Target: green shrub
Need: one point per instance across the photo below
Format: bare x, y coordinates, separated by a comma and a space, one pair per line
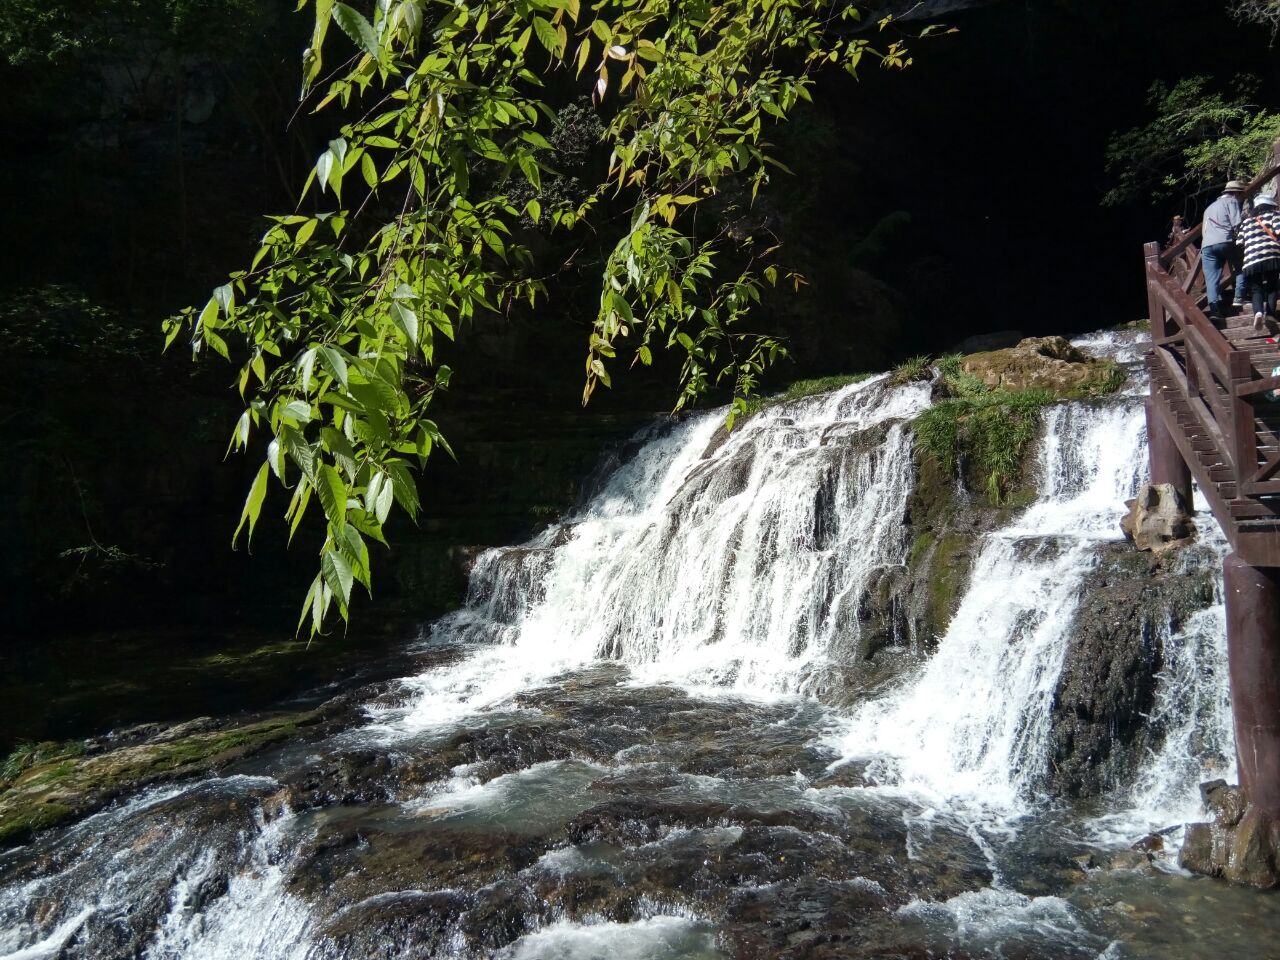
989, 432
915, 368
27, 755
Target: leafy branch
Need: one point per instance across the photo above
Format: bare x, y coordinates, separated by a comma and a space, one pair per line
429, 201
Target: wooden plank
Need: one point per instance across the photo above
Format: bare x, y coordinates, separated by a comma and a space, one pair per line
1175, 251
1258, 546
1155, 310
1255, 387
1178, 387
1242, 508
1215, 352
1194, 266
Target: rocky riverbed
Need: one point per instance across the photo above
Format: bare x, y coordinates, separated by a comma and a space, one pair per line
591, 816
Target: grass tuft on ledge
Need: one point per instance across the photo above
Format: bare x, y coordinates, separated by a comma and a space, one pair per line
988, 430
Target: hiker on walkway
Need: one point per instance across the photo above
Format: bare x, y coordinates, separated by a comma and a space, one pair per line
1260, 238
1218, 246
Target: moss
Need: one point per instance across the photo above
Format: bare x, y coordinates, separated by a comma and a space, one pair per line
950, 573
57, 790
17, 826
920, 548
27, 755
1144, 324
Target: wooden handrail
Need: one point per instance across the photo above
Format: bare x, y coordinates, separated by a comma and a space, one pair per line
1189, 316
1218, 380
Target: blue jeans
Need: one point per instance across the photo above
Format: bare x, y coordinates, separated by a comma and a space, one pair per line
1214, 259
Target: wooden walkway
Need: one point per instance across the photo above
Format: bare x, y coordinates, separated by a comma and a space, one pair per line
1210, 389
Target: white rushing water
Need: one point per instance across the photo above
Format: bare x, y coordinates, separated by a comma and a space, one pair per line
742, 565
975, 722
744, 568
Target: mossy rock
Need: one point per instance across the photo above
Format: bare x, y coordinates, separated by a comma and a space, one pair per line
1040, 363
65, 788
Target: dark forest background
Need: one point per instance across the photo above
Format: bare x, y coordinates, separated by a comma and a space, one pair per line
957, 198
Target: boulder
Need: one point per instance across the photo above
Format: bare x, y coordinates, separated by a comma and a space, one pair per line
1157, 519
1037, 363
1241, 844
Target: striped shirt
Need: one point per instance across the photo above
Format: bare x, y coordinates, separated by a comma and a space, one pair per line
1261, 249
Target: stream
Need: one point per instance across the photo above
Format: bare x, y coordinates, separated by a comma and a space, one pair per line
662, 730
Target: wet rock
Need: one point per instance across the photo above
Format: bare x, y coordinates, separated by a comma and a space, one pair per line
361, 776
1106, 690
374, 849
405, 925
1241, 844
1151, 843
1157, 520
67, 788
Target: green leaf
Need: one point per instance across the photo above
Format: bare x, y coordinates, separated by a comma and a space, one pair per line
297, 411
305, 231
301, 452
337, 575
332, 493
406, 320
355, 26
340, 447
333, 361
252, 505
306, 367
353, 549
403, 487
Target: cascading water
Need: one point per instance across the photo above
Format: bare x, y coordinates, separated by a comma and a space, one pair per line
975, 722
627, 752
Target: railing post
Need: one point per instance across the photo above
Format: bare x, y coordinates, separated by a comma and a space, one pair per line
1244, 435
1253, 653
1155, 309
1167, 465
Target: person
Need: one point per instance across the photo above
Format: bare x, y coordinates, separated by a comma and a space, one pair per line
1259, 236
1218, 246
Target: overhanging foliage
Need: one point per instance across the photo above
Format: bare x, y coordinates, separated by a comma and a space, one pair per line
432, 194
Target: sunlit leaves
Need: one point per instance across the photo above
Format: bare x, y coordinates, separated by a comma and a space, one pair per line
337, 324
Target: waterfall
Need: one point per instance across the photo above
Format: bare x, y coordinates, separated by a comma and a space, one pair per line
740, 567
744, 565
975, 722
752, 564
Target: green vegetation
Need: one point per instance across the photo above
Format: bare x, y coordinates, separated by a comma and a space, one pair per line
987, 431
1198, 139
910, 370
27, 755
428, 207
54, 783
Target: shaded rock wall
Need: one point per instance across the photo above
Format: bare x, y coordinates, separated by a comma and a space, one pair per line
1107, 689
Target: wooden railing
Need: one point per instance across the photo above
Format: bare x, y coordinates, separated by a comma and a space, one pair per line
1230, 429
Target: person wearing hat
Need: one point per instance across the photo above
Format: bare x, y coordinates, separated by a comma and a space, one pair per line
1218, 247
1259, 236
